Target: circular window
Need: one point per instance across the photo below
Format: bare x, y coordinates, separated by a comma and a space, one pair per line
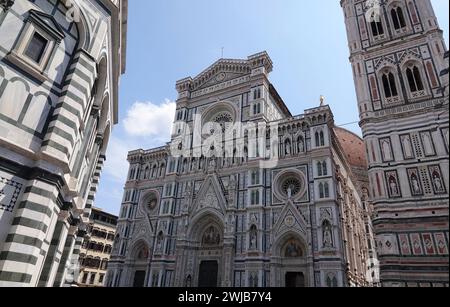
290, 185
150, 202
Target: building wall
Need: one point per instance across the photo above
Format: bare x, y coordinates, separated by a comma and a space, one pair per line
179, 212
96, 249
404, 118
56, 115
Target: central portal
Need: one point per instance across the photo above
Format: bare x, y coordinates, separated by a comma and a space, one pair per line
208, 274
295, 280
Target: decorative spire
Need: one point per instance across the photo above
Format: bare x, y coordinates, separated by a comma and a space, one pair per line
6, 4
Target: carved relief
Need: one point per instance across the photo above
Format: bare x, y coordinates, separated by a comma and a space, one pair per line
437, 180
428, 145
387, 245
386, 150
414, 182
407, 147
393, 184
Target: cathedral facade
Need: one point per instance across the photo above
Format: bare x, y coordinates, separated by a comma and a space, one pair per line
400, 66
245, 194
60, 62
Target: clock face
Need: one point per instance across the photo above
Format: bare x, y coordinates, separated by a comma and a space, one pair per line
220, 77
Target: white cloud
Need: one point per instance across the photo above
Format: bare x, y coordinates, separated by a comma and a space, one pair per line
116, 164
148, 119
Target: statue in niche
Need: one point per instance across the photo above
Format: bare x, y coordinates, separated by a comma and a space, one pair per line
387, 151
407, 147
253, 238
415, 184
437, 182
393, 186
301, 145
327, 235
287, 144
159, 243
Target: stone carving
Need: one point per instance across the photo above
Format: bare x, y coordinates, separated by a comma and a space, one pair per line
393, 184
293, 249
211, 236
436, 178
209, 200
327, 235
416, 188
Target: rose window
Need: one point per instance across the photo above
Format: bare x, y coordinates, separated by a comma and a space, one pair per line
291, 186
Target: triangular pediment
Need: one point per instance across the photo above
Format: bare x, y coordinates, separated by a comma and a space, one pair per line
142, 230
210, 196
221, 71
47, 22
290, 219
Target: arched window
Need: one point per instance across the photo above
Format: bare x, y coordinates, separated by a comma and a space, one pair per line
390, 87
414, 79
327, 190
324, 168
324, 190
377, 28
320, 139
319, 169
398, 18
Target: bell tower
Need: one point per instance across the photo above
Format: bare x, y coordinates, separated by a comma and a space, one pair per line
397, 53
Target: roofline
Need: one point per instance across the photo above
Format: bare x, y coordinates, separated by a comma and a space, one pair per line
351, 132
280, 102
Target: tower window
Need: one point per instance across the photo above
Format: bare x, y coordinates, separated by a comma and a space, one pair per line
320, 139
377, 28
390, 88
398, 18
36, 47
324, 190
414, 79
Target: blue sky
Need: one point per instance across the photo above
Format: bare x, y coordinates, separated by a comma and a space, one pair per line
172, 39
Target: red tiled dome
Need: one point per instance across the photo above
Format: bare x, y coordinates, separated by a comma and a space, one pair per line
353, 146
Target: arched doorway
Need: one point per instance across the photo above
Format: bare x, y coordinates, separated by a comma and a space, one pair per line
140, 260
204, 254
289, 263
210, 256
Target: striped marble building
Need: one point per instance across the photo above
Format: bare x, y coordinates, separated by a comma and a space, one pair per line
60, 64
400, 64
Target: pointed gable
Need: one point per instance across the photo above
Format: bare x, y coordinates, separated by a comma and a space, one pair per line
210, 196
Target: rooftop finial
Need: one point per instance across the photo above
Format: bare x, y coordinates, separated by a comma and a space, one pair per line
322, 100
